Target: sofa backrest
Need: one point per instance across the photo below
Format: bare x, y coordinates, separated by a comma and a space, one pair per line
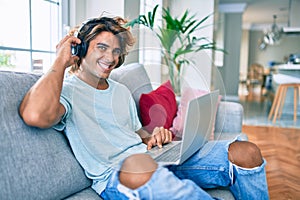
34, 163
135, 77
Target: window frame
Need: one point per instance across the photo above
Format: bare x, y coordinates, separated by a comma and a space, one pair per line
30, 49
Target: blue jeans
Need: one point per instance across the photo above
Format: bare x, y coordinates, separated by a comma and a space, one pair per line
208, 168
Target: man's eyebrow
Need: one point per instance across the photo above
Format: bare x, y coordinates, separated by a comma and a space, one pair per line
102, 44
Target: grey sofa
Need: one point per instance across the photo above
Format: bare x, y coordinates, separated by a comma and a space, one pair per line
39, 164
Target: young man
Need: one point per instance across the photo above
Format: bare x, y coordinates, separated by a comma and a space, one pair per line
99, 117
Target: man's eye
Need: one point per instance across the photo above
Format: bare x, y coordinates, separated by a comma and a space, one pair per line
102, 47
117, 51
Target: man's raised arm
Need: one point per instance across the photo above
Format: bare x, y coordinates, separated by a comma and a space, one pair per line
41, 105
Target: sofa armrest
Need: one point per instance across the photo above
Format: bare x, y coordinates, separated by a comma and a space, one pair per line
229, 117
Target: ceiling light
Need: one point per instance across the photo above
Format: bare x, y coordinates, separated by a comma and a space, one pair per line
273, 36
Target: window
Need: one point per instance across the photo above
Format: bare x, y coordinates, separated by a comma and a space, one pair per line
152, 52
30, 31
150, 49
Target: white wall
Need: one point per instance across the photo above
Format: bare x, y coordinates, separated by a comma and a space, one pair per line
77, 12
197, 75
81, 10
289, 44
94, 8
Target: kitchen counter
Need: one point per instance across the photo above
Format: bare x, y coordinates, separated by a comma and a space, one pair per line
289, 69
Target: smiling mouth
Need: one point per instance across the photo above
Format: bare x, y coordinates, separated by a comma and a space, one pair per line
104, 66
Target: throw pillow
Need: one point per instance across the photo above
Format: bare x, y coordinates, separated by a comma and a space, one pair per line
187, 95
158, 108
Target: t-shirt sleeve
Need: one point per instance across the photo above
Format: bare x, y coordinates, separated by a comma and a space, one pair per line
65, 101
136, 124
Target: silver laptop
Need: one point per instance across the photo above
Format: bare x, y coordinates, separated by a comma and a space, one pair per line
197, 129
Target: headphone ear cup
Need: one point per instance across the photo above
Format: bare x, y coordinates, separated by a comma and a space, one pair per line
83, 49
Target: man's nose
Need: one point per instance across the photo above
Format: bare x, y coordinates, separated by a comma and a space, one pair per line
108, 56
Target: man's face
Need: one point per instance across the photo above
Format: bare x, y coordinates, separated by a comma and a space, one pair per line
102, 57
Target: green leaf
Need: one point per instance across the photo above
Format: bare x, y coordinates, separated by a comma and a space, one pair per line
167, 38
142, 19
199, 23
182, 20
151, 16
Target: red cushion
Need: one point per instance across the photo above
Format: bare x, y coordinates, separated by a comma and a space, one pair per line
158, 108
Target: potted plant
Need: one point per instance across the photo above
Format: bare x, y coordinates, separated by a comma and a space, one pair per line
177, 39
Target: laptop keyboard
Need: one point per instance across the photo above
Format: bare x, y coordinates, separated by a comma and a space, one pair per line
170, 155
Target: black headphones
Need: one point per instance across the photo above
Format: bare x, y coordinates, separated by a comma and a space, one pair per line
80, 50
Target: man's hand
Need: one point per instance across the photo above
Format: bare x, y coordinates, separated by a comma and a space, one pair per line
63, 50
159, 137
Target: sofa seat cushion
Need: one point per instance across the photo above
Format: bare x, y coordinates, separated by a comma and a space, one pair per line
86, 194
35, 163
221, 193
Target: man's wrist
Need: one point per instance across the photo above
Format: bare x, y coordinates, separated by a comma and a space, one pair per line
144, 134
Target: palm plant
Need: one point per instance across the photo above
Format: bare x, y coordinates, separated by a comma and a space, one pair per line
176, 38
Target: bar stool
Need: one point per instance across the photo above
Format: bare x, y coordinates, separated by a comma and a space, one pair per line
284, 82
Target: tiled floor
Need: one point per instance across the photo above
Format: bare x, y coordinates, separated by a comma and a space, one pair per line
256, 111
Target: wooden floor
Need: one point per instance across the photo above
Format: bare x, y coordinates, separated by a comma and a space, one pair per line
281, 148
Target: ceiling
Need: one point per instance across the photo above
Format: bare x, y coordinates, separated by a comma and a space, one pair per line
259, 13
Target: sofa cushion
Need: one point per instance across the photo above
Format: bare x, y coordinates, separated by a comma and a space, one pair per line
158, 108
35, 163
229, 117
221, 193
86, 194
135, 78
